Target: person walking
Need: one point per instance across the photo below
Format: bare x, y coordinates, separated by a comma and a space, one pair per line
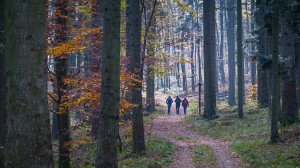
185, 104
169, 102
178, 102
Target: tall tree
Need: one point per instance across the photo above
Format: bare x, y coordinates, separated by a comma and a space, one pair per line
28, 137
230, 5
240, 59
150, 84
182, 64
107, 150
2, 85
133, 52
252, 45
60, 68
262, 75
209, 32
287, 52
275, 109
221, 53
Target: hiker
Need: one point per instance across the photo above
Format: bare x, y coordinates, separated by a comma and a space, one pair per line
178, 102
185, 104
169, 102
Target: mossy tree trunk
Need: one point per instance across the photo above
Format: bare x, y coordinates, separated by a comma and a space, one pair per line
107, 150
28, 136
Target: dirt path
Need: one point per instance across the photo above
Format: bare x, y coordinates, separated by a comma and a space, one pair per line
172, 127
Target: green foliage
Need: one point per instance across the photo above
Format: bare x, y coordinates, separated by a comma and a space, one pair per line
204, 156
250, 137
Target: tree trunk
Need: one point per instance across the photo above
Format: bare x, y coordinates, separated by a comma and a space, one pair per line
240, 59
253, 63
231, 50
2, 85
221, 54
62, 113
107, 151
297, 55
133, 51
209, 23
183, 69
150, 84
262, 75
28, 136
289, 98
275, 71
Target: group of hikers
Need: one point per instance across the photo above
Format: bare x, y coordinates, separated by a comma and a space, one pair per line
178, 102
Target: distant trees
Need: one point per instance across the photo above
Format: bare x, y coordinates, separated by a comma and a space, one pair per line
28, 139
209, 28
107, 151
133, 52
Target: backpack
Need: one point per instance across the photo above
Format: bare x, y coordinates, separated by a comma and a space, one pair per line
185, 102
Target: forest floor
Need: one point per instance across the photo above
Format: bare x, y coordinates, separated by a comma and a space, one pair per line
192, 149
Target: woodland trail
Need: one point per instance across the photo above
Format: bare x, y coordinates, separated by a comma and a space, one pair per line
174, 129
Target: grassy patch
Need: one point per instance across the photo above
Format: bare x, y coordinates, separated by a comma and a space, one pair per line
250, 137
181, 138
204, 156
84, 149
158, 155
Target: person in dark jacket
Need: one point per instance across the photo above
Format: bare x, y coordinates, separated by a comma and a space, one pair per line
178, 102
185, 104
169, 102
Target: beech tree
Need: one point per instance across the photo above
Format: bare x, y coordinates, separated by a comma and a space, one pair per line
28, 139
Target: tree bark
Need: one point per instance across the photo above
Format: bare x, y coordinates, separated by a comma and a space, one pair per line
230, 5
133, 51
275, 71
28, 136
150, 84
209, 31
240, 59
289, 98
252, 45
62, 113
262, 75
2, 84
221, 54
107, 150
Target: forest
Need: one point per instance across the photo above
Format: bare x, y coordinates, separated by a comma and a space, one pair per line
149, 83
